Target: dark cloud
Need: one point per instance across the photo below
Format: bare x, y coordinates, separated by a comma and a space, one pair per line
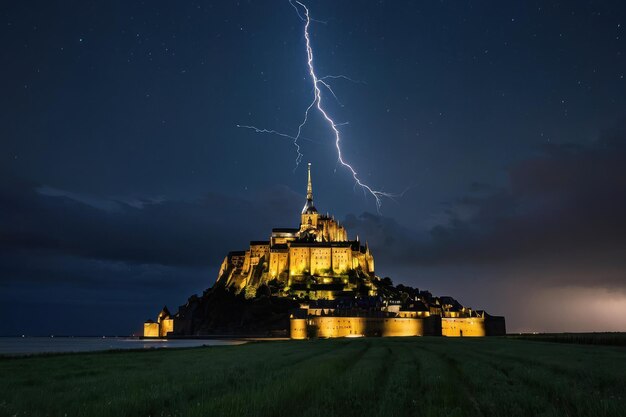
565, 206
548, 251
80, 257
42, 292
173, 233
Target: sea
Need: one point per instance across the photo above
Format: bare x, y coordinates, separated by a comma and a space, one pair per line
13, 346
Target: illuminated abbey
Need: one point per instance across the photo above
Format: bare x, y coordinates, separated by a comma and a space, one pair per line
331, 286
316, 260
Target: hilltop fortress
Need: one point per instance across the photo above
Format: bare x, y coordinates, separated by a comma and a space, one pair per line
328, 284
316, 260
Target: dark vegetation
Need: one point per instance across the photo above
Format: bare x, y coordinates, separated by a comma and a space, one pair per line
339, 377
609, 339
221, 311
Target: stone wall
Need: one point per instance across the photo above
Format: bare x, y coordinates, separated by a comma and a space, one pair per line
298, 329
329, 327
150, 329
473, 326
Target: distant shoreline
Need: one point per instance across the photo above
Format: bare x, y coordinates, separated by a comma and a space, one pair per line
33, 346
219, 336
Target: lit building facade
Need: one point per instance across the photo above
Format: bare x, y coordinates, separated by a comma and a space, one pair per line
318, 251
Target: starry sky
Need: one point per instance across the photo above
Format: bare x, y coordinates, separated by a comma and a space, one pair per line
125, 180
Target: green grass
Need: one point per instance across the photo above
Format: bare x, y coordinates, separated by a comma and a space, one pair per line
340, 377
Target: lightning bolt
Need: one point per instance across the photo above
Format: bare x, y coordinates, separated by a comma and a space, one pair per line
318, 105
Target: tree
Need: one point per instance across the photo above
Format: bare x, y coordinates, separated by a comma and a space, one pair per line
263, 291
386, 282
250, 292
404, 297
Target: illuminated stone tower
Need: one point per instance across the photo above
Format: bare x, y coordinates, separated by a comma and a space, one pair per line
309, 187
309, 212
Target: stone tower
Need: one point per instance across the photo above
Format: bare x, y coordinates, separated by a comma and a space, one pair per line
309, 212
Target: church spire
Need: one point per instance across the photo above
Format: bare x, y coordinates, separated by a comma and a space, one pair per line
309, 187
308, 206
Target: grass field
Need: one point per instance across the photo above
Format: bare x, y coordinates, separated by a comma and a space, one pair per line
340, 377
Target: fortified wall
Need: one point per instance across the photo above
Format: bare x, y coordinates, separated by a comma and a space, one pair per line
327, 327
312, 322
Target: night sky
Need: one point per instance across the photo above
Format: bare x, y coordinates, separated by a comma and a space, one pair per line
124, 179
